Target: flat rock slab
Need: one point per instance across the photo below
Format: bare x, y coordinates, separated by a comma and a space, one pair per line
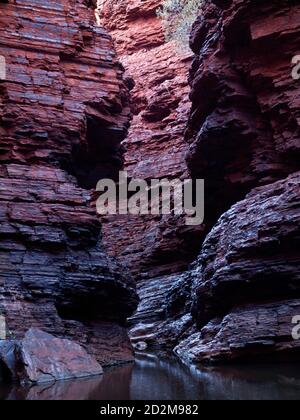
42, 358
48, 359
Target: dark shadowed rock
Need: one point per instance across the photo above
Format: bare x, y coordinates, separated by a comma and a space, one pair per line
244, 137
254, 332
247, 281
243, 130
8, 360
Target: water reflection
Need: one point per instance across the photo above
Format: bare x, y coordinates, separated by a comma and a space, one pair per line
154, 378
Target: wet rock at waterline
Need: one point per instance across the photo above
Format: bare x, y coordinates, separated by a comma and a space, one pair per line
41, 358
259, 332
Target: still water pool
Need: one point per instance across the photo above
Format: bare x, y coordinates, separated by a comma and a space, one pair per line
155, 378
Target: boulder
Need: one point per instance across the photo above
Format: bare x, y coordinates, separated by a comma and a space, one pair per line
42, 358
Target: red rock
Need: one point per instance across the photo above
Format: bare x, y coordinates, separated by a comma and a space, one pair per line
243, 135
244, 124
246, 280
156, 249
47, 359
155, 146
64, 110
42, 358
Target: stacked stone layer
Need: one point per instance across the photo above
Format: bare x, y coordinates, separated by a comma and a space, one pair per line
244, 139
63, 111
157, 72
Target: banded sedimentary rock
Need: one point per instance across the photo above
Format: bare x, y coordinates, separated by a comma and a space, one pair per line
63, 112
157, 249
244, 138
243, 130
247, 280
155, 148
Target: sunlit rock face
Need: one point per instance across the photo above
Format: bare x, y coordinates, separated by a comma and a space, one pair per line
244, 140
157, 72
157, 249
63, 111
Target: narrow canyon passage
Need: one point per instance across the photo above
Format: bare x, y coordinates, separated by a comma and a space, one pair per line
238, 129
91, 88
156, 249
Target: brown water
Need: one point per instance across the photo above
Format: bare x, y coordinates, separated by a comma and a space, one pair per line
152, 378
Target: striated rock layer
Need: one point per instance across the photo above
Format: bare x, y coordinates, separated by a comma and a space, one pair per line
155, 148
157, 249
243, 130
244, 139
247, 280
63, 111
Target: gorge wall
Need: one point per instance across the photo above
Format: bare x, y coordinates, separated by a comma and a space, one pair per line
64, 111
244, 140
225, 291
156, 249
155, 148
239, 298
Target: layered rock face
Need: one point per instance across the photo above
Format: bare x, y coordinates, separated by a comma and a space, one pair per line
157, 249
244, 139
246, 280
243, 129
63, 111
155, 148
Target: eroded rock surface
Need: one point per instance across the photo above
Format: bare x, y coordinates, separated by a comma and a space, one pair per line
64, 111
155, 148
243, 129
157, 249
247, 281
243, 133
